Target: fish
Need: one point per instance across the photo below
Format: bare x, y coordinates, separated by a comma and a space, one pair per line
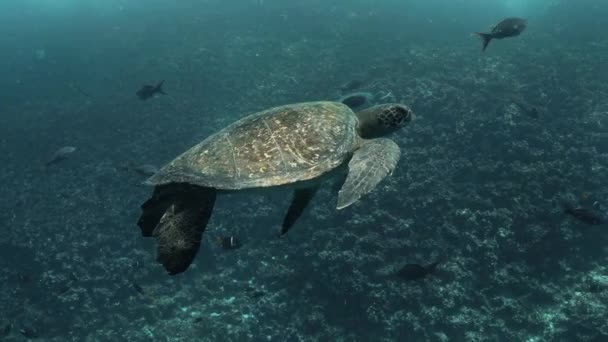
60, 155
509, 27
597, 287
583, 214
416, 271
6, 330
146, 169
28, 332
526, 108
67, 285
255, 293
228, 242
351, 85
138, 288
24, 278
62, 289
148, 91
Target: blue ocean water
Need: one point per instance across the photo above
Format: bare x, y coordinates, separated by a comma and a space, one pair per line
500, 179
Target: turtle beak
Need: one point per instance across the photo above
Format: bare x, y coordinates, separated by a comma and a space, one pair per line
408, 115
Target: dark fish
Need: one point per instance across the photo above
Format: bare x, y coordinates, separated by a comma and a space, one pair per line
6, 330
138, 288
533, 112
149, 91
79, 90
597, 287
510, 27
62, 289
28, 332
255, 293
228, 242
526, 108
584, 215
416, 271
24, 278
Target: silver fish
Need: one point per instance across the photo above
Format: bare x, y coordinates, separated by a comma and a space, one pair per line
61, 154
146, 169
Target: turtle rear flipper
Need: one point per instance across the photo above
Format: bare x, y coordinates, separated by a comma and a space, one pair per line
152, 212
181, 228
373, 161
155, 207
301, 198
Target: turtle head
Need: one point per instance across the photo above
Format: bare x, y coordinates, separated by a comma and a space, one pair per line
383, 119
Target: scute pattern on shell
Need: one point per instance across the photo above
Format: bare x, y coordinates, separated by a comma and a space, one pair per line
277, 146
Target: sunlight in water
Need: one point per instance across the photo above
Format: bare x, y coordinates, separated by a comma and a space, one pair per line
517, 7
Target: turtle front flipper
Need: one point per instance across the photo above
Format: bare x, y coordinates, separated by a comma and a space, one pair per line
373, 161
301, 198
181, 228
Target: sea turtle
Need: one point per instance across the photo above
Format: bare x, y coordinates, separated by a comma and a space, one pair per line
296, 145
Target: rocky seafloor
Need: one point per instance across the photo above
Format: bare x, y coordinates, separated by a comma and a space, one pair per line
479, 187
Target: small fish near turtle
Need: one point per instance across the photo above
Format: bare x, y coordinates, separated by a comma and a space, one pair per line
255, 293
509, 27
148, 91
584, 215
297, 146
230, 242
146, 170
411, 272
